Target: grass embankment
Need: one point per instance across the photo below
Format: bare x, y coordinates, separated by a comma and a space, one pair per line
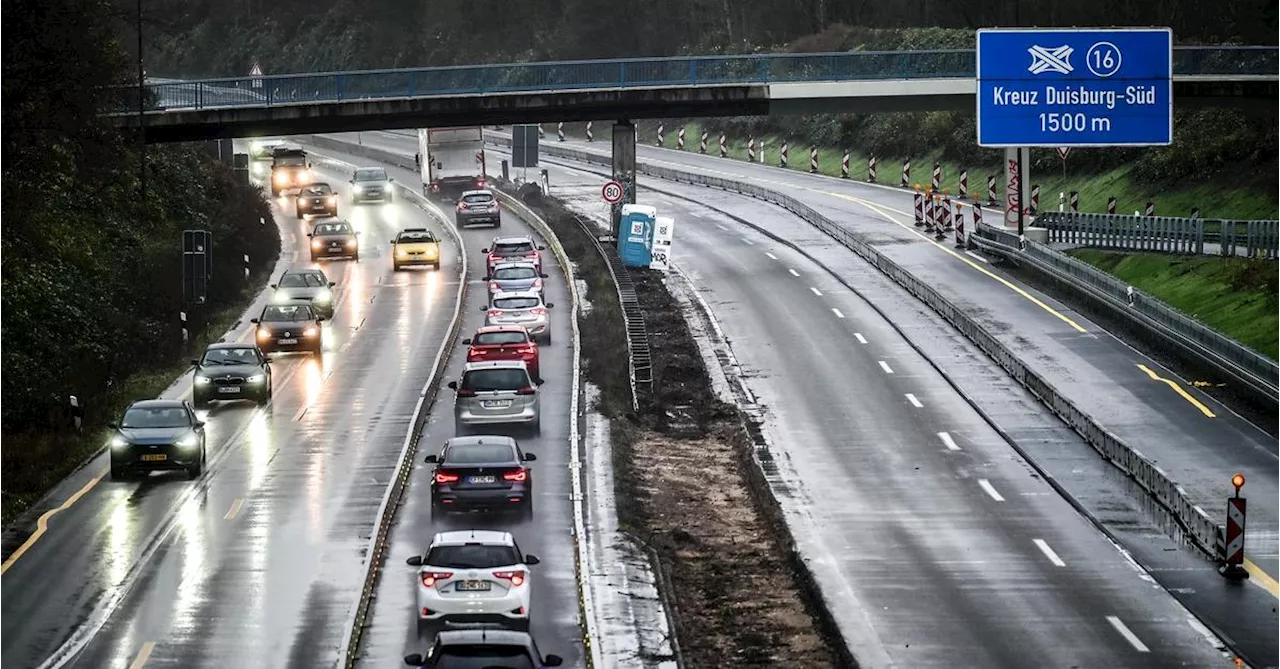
1235, 296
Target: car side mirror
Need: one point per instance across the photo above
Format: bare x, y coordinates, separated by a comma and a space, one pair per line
487, 278
483, 308
453, 385
274, 286
542, 248
484, 250
308, 234
551, 305
431, 459
543, 275
553, 660
332, 284
415, 561
529, 457
531, 559
540, 381
466, 342
199, 424
414, 660
266, 359
114, 426
195, 363
392, 241
253, 320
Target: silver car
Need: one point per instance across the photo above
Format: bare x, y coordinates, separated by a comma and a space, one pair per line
370, 184
525, 308
310, 285
515, 277
495, 393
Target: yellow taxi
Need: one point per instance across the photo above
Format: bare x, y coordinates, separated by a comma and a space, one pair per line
415, 246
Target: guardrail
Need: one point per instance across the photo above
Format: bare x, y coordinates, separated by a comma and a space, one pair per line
1208, 61
1203, 531
1164, 234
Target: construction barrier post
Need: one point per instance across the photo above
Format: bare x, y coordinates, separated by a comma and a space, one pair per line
937, 176
940, 218
751, 149
948, 213
919, 209
991, 190
871, 167
680, 139
541, 132
1151, 209
960, 238
1073, 201
724, 146
560, 130
906, 173
813, 161
1035, 199
844, 165
782, 159
929, 211
964, 183
977, 216
1233, 554
662, 133
702, 145
590, 135
1111, 206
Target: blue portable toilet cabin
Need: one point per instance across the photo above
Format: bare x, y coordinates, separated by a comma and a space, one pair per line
636, 242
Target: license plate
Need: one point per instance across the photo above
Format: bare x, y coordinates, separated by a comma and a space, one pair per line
480, 479
154, 457
496, 404
288, 341
473, 586
229, 389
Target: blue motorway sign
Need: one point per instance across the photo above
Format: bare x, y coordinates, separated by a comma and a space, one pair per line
1075, 87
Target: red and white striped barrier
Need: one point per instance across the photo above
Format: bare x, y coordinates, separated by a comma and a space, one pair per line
844, 165
813, 161
591, 137
947, 214
1111, 206
1151, 209
937, 176
919, 210
560, 130
977, 216
680, 139
724, 146
1233, 548
871, 167
751, 149
930, 212
964, 183
702, 145
960, 238
991, 190
1035, 199
782, 160
1073, 201
906, 173
662, 133
541, 133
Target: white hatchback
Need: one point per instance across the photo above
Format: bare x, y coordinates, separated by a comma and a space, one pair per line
474, 576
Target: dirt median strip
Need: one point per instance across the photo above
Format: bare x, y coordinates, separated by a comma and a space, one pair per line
688, 486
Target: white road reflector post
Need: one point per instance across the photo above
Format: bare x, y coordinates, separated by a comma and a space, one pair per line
813, 160
960, 238
724, 146
662, 133
702, 145
560, 131
991, 190
751, 149
77, 413
1111, 206
906, 173
782, 157
937, 176
680, 139
871, 167
182, 316
246, 267
1151, 209
591, 136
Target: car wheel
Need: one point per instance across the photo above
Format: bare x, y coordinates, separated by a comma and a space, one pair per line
313, 257
437, 509
297, 212
194, 470
395, 267
356, 257
546, 337
497, 223
118, 472
200, 402
526, 512
435, 265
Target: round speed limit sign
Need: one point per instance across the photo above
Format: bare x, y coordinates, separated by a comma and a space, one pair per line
612, 192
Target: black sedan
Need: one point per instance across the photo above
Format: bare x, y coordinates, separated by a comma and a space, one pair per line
371, 184
158, 434
482, 472
336, 239
231, 372
316, 199
292, 326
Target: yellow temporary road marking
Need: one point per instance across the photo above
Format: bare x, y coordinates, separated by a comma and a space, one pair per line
143, 655
42, 524
235, 508
1178, 389
1261, 578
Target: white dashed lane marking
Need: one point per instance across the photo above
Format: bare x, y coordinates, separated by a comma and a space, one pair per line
991, 490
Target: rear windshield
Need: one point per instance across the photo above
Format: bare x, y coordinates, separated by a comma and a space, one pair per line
286, 313
417, 237
333, 229
472, 556
513, 248
487, 656
317, 189
477, 198
157, 417
514, 273
474, 454
488, 380
300, 281
493, 338
515, 303
371, 174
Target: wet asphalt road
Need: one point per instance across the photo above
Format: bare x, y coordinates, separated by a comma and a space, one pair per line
393, 630
257, 563
933, 550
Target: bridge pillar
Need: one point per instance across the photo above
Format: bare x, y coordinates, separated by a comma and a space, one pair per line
624, 168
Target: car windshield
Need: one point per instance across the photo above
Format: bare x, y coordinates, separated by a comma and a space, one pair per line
513, 248
486, 656
477, 198
472, 556
317, 189
494, 338
472, 454
515, 303
371, 174
514, 273
417, 237
333, 229
286, 313
156, 417
290, 161
488, 380
300, 281
230, 356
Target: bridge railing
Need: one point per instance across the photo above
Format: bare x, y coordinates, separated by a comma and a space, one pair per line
1164, 234
636, 73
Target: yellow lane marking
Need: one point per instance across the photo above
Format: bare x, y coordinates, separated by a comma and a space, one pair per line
1178, 389
1261, 578
879, 209
143, 655
42, 524
235, 509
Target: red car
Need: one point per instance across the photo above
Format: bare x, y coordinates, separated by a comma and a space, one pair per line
503, 342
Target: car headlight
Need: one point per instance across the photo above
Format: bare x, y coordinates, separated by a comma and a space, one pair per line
351, 243
402, 253
202, 379
311, 331
189, 441
281, 177
317, 244
333, 200
119, 441
257, 378
264, 333
325, 296
280, 297
357, 189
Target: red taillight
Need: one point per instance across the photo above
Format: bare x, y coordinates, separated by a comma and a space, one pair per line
527, 391
429, 578
538, 311
480, 183
463, 392
447, 477
519, 476
462, 205
529, 349
516, 577
537, 284
493, 287
495, 312
494, 204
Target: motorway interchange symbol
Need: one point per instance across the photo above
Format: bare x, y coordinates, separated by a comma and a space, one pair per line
1044, 59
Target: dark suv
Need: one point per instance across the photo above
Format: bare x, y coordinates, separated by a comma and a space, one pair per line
482, 648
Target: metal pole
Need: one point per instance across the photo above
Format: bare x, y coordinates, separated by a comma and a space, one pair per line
1022, 192
142, 141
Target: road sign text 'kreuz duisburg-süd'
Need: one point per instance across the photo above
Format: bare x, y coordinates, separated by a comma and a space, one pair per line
1075, 87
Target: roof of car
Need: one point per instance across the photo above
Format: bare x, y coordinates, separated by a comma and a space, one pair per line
489, 636
516, 293
482, 191
513, 239
494, 364
156, 404
485, 329
228, 344
515, 263
462, 537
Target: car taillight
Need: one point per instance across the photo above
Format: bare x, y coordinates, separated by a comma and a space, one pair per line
493, 287
528, 349
516, 577
462, 205
527, 391
495, 312
493, 204
538, 311
518, 475
429, 578
463, 392
537, 284
447, 477
480, 183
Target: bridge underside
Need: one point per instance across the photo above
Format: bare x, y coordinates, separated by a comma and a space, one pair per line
596, 105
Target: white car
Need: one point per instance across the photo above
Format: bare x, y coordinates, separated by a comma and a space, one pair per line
526, 308
473, 576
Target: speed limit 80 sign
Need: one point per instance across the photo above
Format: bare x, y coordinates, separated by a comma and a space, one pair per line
612, 192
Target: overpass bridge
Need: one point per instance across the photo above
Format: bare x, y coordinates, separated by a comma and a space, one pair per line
627, 88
